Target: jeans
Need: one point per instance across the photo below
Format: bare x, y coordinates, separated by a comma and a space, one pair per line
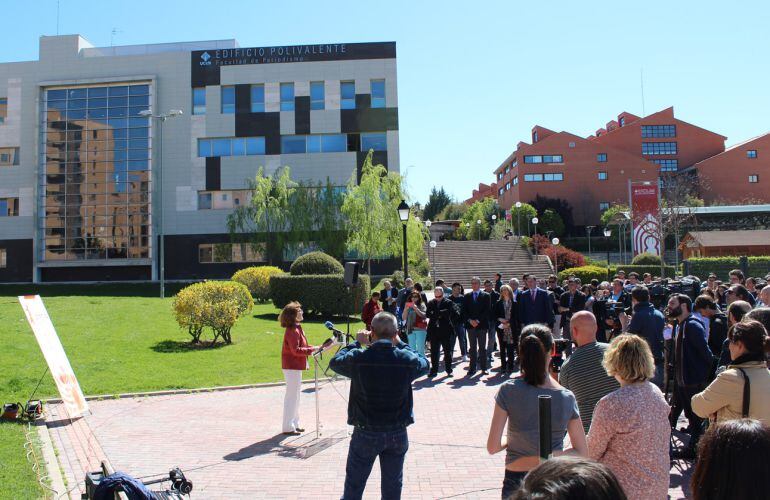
417, 340
365, 446
683, 402
657, 379
477, 352
512, 483
436, 344
460, 335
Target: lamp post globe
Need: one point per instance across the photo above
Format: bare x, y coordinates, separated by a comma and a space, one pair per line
428, 223
535, 220
607, 234
555, 241
518, 217
403, 216
432, 243
518, 204
403, 211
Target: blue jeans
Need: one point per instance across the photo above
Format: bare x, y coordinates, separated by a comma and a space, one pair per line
460, 335
417, 340
365, 446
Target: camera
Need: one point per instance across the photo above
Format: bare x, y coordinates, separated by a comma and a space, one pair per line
557, 357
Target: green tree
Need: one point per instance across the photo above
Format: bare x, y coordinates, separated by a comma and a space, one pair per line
267, 216
522, 215
551, 221
453, 211
609, 215
437, 201
482, 210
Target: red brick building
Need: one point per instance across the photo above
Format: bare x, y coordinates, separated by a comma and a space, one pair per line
483, 191
739, 175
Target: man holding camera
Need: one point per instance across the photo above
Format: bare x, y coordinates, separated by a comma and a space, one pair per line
380, 405
648, 323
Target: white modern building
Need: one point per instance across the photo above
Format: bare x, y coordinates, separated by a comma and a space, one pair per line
81, 163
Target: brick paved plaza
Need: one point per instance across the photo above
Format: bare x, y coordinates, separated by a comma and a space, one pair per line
230, 446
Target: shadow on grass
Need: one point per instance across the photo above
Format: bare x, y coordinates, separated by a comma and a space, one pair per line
94, 290
267, 316
173, 346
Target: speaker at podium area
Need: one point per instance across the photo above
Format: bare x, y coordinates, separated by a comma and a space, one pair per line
351, 273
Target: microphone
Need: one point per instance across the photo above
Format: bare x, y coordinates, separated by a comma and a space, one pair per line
329, 325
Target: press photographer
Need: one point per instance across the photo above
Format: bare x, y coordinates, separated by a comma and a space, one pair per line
648, 323
613, 309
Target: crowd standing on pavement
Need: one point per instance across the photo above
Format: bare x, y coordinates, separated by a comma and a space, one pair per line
636, 359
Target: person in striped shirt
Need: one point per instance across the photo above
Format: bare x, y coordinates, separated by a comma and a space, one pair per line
583, 373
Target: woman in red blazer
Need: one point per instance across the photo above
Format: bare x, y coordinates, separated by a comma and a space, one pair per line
293, 362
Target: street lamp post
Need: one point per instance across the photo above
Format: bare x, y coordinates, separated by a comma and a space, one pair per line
159, 210
468, 231
403, 215
589, 229
555, 242
432, 245
478, 229
607, 234
518, 218
535, 220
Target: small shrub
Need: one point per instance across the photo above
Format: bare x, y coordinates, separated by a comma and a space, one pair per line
320, 294
397, 279
213, 304
257, 280
646, 259
585, 273
564, 257
315, 263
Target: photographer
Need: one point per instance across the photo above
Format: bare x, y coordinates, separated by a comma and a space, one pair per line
648, 323
612, 309
380, 406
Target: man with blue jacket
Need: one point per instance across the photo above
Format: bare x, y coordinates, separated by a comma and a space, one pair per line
649, 323
380, 406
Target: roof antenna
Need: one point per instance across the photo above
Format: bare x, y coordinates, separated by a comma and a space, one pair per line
57, 17
641, 76
114, 32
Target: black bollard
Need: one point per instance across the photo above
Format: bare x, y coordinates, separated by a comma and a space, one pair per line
544, 426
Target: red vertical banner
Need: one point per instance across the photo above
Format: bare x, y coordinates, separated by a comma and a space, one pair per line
645, 205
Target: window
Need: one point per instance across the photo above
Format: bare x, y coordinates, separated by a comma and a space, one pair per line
228, 100
215, 253
9, 207
3, 110
534, 139
515, 180
287, 97
347, 95
317, 95
3, 258
544, 159
602, 176
622, 121
199, 100
507, 168
258, 98
231, 146
553, 177
9, 157
667, 165
293, 144
500, 191
204, 201
754, 178
322, 143
533, 177
378, 93
376, 141
221, 200
601, 157
751, 153
658, 130
507, 186
658, 148
604, 205
499, 176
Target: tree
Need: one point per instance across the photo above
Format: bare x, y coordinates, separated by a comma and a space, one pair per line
551, 221
481, 210
609, 215
522, 215
558, 205
268, 212
370, 208
437, 201
453, 211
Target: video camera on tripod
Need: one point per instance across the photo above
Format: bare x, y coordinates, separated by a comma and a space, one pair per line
662, 289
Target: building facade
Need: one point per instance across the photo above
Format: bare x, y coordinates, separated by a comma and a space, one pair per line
88, 179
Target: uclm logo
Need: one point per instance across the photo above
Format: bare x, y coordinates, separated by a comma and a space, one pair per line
206, 59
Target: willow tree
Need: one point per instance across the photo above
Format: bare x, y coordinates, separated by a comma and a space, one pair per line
267, 215
370, 208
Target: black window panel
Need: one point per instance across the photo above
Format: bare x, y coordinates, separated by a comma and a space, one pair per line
242, 98
354, 142
213, 173
302, 115
363, 101
368, 120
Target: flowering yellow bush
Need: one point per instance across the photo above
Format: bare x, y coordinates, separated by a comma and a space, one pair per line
257, 280
213, 304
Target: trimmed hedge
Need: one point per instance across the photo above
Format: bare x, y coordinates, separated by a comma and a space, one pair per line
315, 263
721, 266
213, 304
587, 273
646, 259
670, 271
322, 294
257, 280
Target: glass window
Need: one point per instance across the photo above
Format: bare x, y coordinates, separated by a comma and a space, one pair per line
335, 143
317, 95
507, 186
659, 148
258, 98
135, 90
604, 205
204, 201
347, 95
602, 176
3, 207
751, 153
239, 146
287, 97
3, 258
658, 130
622, 121
220, 147
376, 141
293, 144
500, 191
120, 90
56, 95
667, 165
534, 140
199, 101
601, 157
255, 146
378, 93
9, 157
753, 178
314, 144
228, 100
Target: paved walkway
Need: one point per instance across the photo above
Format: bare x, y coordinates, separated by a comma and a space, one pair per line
230, 446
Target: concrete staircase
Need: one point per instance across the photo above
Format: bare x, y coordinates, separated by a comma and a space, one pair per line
461, 260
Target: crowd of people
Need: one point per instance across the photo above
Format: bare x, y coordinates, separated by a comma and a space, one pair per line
632, 368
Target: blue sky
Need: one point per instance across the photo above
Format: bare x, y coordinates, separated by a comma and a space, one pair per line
474, 77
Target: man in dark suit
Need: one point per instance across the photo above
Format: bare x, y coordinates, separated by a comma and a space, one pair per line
494, 296
476, 309
389, 298
692, 363
535, 304
570, 302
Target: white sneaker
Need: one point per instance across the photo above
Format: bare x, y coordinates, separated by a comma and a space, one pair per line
465, 359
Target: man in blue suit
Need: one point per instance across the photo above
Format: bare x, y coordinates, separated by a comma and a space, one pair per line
536, 304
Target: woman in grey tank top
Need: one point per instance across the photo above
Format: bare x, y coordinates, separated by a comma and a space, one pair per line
517, 404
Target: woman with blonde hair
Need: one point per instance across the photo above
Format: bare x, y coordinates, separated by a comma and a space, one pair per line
294, 356
630, 431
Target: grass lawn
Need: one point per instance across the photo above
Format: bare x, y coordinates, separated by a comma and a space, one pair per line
17, 479
122, 338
